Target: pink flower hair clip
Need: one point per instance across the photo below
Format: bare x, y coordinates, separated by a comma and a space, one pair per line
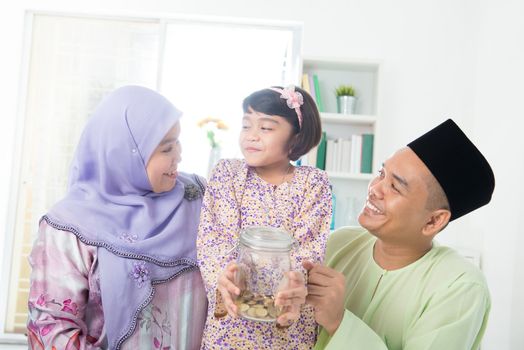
294, 100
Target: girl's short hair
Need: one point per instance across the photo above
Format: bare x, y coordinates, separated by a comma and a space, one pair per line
269, 102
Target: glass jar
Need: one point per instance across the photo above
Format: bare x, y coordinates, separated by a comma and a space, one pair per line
263, 260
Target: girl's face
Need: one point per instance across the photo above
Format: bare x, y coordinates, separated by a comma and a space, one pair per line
162, 166
264, 139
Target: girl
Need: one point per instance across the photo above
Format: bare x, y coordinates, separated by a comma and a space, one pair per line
114, 262
279, 125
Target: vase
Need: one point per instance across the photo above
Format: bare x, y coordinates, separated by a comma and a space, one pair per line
214, 156
346, 104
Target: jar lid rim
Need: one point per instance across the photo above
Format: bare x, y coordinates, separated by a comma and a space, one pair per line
266, 238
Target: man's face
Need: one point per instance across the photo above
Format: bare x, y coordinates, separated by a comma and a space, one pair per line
395, 209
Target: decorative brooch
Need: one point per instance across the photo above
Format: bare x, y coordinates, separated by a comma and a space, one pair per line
140, 273
192, 192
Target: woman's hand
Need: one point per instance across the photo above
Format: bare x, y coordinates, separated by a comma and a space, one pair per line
227, 288
291, 298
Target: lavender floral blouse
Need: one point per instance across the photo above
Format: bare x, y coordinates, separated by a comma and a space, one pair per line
236, 197
65, 308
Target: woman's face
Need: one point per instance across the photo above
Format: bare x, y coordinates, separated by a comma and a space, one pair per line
162, 166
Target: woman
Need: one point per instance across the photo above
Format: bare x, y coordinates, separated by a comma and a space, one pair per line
114, 262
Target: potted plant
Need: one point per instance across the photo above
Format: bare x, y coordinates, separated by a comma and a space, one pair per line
346, 99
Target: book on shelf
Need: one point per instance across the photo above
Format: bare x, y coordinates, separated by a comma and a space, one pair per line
356, 153
338, 152
310, 158
318, 98
352, 155
330, 155
321, 152
332, 149
367, 154
305, 83
312, 90
345, 158
311, 85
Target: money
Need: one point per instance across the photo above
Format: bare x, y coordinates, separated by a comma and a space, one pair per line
257, 307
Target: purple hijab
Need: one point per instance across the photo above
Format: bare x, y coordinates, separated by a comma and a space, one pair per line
143, 238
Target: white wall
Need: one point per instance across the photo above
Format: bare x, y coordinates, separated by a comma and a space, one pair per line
441, 58
499, 90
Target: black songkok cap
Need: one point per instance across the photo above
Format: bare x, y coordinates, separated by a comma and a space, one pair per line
458, 166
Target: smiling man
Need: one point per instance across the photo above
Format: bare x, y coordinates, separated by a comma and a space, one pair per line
388, 285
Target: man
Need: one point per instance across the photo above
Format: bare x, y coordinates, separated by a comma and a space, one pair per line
388, 285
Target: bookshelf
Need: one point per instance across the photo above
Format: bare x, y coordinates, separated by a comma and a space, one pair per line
349, 186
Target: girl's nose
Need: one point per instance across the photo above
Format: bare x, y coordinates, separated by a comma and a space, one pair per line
252, 135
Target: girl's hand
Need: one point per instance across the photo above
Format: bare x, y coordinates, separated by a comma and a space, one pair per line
291, 298
228, 289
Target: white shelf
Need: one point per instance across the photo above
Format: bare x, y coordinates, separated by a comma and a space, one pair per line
331, 73
339, 63
355, 119
350, 176
349, 189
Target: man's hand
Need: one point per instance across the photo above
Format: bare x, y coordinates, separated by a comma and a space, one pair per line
326, 291
228, 289
291, 298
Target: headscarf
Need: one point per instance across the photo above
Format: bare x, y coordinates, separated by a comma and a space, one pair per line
143, 238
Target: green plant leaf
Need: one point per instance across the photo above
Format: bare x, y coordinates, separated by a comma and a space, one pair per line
345, 90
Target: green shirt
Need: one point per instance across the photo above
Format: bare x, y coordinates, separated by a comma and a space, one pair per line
440, 301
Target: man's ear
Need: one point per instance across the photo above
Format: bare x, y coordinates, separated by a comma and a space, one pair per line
438, 219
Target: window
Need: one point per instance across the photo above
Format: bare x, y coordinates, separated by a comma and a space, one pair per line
204, 67
230, 61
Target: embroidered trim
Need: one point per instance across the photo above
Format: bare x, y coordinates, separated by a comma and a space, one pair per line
200, 183
129, 238
115, 250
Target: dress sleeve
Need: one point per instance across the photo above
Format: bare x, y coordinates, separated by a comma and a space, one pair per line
219, 223
454, 319
59, 289
311, 225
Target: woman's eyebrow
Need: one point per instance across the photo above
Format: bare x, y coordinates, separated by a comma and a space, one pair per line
168, 140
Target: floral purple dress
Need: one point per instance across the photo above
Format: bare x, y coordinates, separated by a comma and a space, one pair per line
236, 197
65, 307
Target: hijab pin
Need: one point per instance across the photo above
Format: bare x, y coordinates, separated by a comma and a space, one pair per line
192, 192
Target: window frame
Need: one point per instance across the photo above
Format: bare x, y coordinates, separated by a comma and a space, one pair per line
15, 181
19, 341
